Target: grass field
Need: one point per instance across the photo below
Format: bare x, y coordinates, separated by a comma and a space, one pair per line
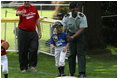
98, 66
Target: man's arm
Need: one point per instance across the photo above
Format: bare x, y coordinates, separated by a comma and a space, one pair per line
39, 28
78, 33
83, 26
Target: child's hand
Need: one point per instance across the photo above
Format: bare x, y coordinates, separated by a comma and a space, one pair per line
51, 45
5, 45
65, 49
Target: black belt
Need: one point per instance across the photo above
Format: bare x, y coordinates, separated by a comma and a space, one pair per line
70, 33
27, 30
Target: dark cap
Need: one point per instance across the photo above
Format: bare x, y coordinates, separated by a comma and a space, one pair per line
73, 5
57, 24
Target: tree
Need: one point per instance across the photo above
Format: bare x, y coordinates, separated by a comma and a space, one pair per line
109, 8
109, 22
95, 40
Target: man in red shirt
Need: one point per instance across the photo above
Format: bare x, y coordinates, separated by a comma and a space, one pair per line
28, 37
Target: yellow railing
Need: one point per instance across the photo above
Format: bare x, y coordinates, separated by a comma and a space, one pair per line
16, 19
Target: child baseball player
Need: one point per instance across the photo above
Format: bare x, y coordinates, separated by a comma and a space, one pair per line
4, 60
58, 41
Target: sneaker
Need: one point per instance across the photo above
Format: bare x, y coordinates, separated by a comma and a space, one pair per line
32, 69
60, 75
23, 70
63, 75
82, 75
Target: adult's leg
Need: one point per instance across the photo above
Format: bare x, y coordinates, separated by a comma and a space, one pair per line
72, 57
33, 49
81, 55
23, 45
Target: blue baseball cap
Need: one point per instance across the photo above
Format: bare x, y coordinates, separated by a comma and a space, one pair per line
57, 24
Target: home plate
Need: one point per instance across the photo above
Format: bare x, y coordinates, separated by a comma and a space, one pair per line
66, 77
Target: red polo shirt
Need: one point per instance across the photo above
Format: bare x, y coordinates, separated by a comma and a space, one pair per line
3, 51
28, 21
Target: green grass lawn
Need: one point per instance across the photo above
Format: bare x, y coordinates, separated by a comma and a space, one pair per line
97, 67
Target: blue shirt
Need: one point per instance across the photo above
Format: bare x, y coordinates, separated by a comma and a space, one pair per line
58, 39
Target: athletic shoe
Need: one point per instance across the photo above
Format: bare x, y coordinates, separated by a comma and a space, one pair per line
82, 75
32, 69
60, 75
63, 75
23, 71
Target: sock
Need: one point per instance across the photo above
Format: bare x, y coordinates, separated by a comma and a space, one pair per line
6, 75
62, 69
59, 69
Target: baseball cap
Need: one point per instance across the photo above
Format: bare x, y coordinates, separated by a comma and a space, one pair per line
74, 5
57, 24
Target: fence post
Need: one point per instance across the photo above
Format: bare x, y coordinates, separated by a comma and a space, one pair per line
41, 9
50, 36
5, 25
15, 32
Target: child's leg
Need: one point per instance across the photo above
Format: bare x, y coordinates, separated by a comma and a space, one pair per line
62, 62
62, 58
6, 75
4, 63
61, 70
57, 56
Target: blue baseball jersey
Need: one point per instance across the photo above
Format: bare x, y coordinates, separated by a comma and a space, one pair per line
58, 39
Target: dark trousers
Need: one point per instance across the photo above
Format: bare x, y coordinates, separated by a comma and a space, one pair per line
27, 47
77, 47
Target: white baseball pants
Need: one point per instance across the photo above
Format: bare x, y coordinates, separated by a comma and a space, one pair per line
4, 64
59, 56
